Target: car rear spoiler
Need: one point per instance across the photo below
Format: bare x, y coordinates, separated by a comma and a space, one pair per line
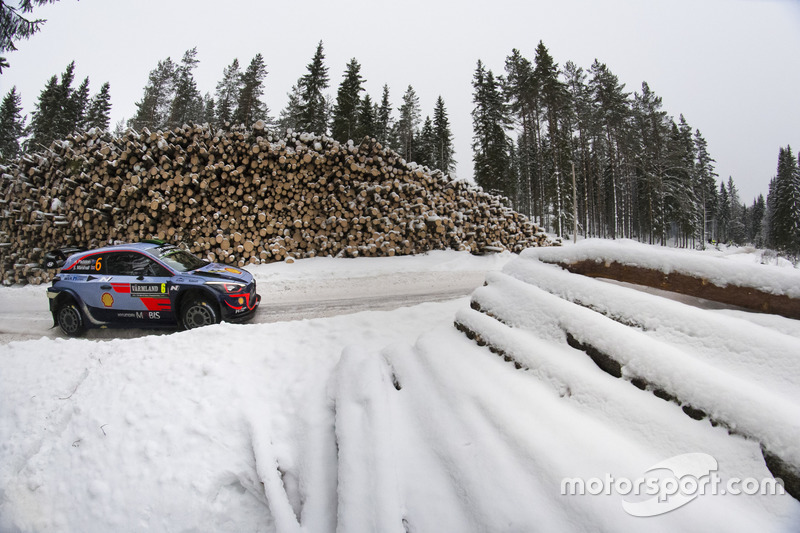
56, 258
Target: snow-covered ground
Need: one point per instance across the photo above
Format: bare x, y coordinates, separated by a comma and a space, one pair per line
311, 288
391, 419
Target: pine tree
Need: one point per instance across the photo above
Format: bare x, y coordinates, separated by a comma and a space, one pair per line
58, 109
705, 185
227, 95
490, 143
736, 226
76, 109
553, 98
69, 105
14, 25
406, 129
653, 131
582, 111
44, 117
290, 115
443, 139
383, 120
757, 214
785, 202
209, 110
345, 113
187, 103
769, 216
250, 108
426, 144
523, 98
367, 118
12, 125
723, 214
682, 210
313, 107
98, 112
152, 110
612, 110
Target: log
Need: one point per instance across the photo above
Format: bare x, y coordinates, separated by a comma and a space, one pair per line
750, 298
241, 197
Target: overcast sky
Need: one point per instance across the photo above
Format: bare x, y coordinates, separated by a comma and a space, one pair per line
730, 66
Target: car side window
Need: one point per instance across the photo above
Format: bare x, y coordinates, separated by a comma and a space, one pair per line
133, 264
91, 264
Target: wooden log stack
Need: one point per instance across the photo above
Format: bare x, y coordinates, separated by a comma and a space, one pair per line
240, 197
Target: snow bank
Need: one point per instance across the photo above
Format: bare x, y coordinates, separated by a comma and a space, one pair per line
329, 268
767, 278
730, 398
735, 344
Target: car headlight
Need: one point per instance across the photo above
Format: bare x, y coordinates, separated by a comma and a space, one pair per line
228, 287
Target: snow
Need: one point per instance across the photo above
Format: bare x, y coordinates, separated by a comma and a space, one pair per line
308, 288
733, 398
392, 419
740, 270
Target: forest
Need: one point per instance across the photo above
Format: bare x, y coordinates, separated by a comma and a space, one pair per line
569, 147
573, 148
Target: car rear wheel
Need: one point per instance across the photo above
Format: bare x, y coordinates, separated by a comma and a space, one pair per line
70, 320
199, 312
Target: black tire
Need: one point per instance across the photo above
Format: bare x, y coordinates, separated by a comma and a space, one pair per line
70, 319
198, 312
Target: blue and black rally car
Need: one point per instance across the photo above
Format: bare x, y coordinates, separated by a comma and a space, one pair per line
148, 284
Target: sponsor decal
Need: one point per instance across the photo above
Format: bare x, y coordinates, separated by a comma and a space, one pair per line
88, 265
107, 299
157, 304
141, 315
148, 290
122, 288
229, 270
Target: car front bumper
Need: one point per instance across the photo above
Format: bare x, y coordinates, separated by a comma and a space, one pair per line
240, 308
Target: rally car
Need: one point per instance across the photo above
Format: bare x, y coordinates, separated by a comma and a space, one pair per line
148, 284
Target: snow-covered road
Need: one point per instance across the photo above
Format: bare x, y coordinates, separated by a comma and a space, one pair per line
304, 290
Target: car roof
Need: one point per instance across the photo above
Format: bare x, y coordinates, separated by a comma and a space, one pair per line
147, 247
150, 248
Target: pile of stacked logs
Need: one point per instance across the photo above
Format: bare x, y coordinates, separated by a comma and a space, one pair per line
240, 197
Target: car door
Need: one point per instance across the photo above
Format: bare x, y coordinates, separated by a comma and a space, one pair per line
136, 288
93, 266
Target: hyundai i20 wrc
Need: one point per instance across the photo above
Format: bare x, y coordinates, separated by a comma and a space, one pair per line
148, 284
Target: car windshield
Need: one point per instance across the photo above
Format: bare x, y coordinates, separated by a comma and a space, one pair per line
180, 260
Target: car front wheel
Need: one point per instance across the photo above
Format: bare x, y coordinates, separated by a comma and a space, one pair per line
70, 320
199, 312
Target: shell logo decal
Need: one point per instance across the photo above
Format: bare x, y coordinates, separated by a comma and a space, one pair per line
227, 269
107, 299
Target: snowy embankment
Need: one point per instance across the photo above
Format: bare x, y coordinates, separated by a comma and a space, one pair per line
740, 269
394, 420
